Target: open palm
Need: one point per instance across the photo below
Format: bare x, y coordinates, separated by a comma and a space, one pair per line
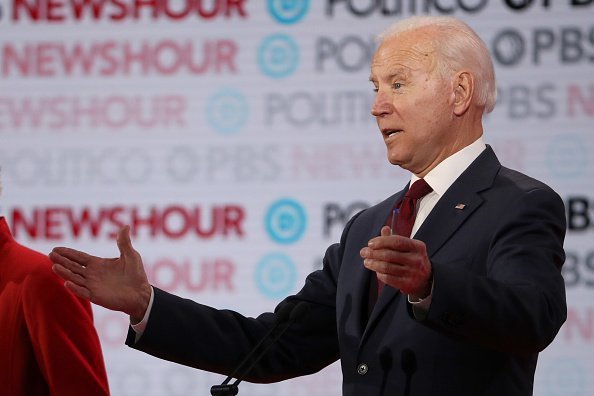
118, 284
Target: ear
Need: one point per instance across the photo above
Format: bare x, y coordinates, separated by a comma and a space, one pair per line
463, 90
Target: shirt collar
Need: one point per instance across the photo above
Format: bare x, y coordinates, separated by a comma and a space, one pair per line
447, 171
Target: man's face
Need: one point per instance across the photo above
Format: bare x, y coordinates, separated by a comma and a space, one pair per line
413, 105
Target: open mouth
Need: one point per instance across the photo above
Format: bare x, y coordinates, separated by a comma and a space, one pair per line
390, 132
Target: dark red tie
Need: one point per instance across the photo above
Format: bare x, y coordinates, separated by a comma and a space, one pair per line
407, 210
406, 213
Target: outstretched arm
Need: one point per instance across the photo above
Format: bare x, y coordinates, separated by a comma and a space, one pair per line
119, 284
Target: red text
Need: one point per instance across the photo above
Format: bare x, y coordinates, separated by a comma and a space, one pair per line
173, 222
114, 58
118, 10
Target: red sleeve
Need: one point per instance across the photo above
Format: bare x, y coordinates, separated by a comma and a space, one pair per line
64, 338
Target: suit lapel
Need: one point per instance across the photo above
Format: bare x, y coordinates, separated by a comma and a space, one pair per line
459, 202
445, 218
362, 276
388, 293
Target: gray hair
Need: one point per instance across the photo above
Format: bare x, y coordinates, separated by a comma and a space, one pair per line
459, 47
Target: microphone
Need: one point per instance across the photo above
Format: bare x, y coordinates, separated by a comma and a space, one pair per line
409, 366
286, 316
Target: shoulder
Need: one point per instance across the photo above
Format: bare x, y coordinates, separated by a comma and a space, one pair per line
516, 184
38, 278
514, 179
25, 261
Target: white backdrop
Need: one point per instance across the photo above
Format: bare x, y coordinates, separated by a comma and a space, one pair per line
236, 136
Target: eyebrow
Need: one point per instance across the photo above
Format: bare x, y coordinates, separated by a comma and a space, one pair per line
399, 71
396, 72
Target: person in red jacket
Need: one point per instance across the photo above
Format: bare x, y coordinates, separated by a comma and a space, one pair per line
48, 343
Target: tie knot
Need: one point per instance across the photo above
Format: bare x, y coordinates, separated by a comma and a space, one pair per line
418, 190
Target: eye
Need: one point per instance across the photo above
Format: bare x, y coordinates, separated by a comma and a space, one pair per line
397, 85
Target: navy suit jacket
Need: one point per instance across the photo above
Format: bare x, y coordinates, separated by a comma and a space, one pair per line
498, 300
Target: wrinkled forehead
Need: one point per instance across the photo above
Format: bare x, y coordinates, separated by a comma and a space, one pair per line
414, 50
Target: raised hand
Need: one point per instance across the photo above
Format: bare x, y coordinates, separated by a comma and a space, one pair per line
119, 284
399, 262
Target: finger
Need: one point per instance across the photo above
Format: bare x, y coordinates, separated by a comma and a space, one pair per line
388, 255
124, 242
79, 291
76, 256
386, 231
68, 275
394, 242
71, 266
387, 268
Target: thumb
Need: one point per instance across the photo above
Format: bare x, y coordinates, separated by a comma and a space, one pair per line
124, 242
386, 231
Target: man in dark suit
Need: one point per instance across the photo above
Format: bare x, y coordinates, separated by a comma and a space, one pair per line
464, 308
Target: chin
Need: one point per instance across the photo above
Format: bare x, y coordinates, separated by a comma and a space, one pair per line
394, 160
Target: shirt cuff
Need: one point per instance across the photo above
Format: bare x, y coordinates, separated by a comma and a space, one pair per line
140, 326
421, 306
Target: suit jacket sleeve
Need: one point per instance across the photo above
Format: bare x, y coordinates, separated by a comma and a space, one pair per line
189, 333
515, 302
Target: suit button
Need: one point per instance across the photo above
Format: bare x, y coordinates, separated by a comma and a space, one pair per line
362, 369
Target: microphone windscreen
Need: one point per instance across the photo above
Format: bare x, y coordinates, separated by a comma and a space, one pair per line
408, 361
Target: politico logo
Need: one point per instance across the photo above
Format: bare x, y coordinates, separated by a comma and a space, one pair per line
303, 109
54, 223
522, 5
59, 11
336, 215
391, 8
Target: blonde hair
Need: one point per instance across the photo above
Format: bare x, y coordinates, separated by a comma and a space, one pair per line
459, 47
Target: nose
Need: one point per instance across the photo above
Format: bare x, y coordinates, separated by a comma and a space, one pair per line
381, 104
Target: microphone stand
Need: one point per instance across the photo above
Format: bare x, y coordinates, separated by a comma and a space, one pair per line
294, 312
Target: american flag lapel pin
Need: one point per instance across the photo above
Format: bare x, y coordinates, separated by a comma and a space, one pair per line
460, 206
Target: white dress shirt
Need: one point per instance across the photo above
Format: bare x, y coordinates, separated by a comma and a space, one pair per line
440, 179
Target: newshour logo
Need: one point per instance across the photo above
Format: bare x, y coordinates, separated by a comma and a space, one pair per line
114, 58
59, 11
56, 223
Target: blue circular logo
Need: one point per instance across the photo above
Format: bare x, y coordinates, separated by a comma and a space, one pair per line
288, 11
227, 111
565, 377
278, 56
567, 156
286, 221
276, 275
